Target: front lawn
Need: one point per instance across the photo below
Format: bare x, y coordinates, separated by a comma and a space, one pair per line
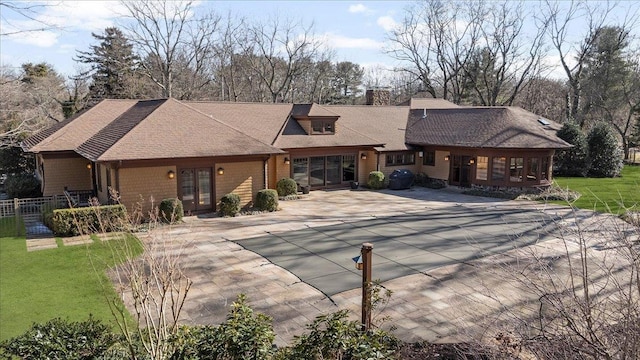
606, 194
65, 282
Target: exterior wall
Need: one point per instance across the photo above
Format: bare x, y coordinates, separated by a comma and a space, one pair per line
242, 178
71, 173
366, 165
441, 168
145, 186
282, 170
388, 169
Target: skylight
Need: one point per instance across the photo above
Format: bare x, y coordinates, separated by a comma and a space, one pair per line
544, 121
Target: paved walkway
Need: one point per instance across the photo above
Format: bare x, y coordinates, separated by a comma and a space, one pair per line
458, 266
434, 303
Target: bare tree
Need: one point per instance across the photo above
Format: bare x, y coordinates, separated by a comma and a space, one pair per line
573, 54
175, 46
468, 51
25, 10
29, 101
279, 52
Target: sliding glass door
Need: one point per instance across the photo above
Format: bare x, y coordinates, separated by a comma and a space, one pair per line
320, 171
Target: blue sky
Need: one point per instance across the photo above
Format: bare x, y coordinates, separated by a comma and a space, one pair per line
355, 30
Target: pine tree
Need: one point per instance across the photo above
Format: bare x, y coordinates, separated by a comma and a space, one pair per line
113, 66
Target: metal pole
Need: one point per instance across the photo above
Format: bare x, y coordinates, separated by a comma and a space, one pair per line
366, 252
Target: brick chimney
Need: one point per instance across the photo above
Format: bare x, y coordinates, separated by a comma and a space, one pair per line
378, 97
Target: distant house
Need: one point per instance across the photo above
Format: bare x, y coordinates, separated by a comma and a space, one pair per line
199, 151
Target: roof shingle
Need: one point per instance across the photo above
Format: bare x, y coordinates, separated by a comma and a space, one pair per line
483, 127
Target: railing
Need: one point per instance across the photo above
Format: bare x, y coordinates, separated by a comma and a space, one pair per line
29, 212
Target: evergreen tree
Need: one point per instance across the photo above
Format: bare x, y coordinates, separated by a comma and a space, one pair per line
113, 66
605, 154
572, 161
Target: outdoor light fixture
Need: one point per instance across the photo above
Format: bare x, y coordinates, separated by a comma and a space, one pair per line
287, 161
447, 158
420, 154
472, 161
363, 156
220, 171
171, 174
89, 166
358, 262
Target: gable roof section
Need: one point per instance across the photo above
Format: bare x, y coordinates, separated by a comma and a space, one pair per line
71, 133
385, 124
304, 111
102, 141
483, 127
262, 121
170, 129
431, 103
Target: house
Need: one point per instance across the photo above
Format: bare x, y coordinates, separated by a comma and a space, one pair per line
200, 151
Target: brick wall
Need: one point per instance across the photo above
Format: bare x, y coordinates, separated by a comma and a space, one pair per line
69, 172
242, 178
140, 185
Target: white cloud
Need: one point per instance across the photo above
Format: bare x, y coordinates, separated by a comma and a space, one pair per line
387, 23
358, 8
343, 42
60, 19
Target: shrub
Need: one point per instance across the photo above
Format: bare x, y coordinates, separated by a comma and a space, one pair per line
244, 335
573, 161
267, 200
333, 336
376, 180
61, 339
171, 210
22, 186
286, 186
230, 205
424, 180
605, 155
88, 220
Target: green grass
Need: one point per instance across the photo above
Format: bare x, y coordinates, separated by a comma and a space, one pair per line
67, 282
612, 195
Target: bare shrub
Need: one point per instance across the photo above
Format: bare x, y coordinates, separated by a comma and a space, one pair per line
586, 280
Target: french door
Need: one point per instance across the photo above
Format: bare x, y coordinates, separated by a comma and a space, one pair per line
460, 171
195, 189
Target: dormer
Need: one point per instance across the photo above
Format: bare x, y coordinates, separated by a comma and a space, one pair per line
315, 119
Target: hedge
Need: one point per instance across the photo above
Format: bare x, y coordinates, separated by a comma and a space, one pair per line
88, 220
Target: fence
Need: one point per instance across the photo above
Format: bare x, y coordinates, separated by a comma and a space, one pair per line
29, 213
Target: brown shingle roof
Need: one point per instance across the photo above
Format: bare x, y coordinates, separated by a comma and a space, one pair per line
385, 124
431, 103
262, 121
484, 127
177, 130
71, 133
102, 141
311, 110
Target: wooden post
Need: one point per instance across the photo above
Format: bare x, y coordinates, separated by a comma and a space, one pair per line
16, 212
366, 252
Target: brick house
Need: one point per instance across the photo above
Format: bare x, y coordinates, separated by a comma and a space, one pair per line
199, 151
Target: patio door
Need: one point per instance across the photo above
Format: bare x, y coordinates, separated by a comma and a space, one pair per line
195, 189
460, 172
